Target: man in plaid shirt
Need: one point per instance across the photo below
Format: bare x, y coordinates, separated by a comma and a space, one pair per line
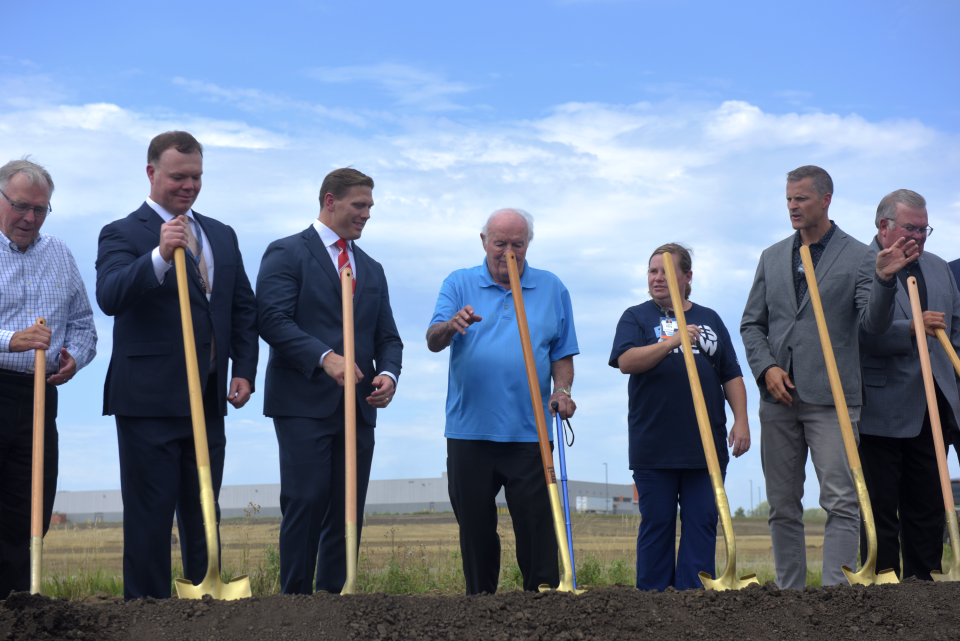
38, 279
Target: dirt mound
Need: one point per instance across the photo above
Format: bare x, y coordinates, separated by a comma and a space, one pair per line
911, 610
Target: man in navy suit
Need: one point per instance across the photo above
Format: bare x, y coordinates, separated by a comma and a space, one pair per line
146, 387
300, 315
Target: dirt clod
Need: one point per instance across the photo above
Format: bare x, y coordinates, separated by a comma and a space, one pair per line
911, 610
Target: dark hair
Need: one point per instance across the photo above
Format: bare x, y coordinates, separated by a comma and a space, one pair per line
822, 182
180, 140
339, 181
686, 262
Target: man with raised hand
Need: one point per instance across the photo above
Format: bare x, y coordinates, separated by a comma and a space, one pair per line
896, 441
491, 434
38, 279
779, 330
146, 387
299, 297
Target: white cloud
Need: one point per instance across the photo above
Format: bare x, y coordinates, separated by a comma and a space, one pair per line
409, 85
257, 100
606, 184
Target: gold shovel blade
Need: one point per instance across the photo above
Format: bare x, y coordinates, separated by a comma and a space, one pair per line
953, 574
236, 588
869, 576
727, 582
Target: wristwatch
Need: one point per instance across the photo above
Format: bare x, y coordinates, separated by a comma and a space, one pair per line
562, 391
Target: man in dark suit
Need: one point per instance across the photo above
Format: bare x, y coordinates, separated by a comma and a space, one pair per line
955, 268
896, 438
146, 386
300, 316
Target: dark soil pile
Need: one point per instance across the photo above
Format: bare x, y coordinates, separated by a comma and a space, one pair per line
911, 610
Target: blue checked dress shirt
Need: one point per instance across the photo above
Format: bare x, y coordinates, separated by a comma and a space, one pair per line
44, 281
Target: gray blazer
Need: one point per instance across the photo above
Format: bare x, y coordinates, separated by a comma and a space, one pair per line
776, 332
894, 400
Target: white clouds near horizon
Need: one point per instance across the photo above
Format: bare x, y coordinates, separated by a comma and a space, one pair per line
606, 183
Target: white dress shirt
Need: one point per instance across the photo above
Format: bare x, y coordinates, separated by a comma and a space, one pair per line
160, 266
329, 239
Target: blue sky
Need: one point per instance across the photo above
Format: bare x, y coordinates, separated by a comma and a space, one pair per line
619, 125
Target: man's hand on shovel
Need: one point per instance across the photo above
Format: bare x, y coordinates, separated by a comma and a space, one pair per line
932, 321
333, 365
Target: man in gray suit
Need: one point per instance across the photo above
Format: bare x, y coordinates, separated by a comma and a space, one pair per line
896, 442
857, 286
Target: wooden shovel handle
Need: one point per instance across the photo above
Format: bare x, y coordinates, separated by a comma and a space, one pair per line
39, 404
190, 354
533, 381
699, 405
843, 415
932, 408
948, 348
349, 394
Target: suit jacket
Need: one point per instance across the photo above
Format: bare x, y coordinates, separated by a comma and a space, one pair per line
300, 316
775, 331
148, 371
895, 401
955, 268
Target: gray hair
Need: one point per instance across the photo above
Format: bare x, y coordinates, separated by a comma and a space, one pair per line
888, 206
519, 212
822, 182
35, 173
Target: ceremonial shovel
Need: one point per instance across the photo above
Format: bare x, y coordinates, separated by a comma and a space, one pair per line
728, 580
567, 581
953, 574
36, 506
867, 574
212, 584
350, 429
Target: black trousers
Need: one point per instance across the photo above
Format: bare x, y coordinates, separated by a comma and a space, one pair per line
476, 470
158, 476
16, 469
313, 499
904, 485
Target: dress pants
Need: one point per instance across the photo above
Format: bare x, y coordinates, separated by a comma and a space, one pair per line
158, 476
313, 499
476, 470
903, 480
785, 435
659, 492
16, 469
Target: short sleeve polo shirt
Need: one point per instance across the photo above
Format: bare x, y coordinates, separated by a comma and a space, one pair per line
487, 393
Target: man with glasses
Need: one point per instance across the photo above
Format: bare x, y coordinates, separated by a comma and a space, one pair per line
146, 386
896, 442
38, 279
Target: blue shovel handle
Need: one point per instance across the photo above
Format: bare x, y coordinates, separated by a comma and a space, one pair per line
563, 483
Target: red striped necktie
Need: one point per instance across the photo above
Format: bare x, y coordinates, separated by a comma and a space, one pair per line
343, 260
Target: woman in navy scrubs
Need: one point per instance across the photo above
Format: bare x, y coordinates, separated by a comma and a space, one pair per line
666, 453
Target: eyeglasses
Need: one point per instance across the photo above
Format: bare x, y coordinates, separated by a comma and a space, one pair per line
913, 231
22, 208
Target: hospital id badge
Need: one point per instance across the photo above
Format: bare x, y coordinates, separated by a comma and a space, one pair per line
668, 327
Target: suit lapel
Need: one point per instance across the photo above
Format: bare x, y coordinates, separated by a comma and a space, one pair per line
360, 258
830, 255
320, 254
785, 265
219, 246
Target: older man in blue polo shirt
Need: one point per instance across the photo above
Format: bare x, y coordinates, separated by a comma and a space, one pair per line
491, 433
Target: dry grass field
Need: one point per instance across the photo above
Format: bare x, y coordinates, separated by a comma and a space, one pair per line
396, 548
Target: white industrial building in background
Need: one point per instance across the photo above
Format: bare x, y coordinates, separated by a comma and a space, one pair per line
403, 496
